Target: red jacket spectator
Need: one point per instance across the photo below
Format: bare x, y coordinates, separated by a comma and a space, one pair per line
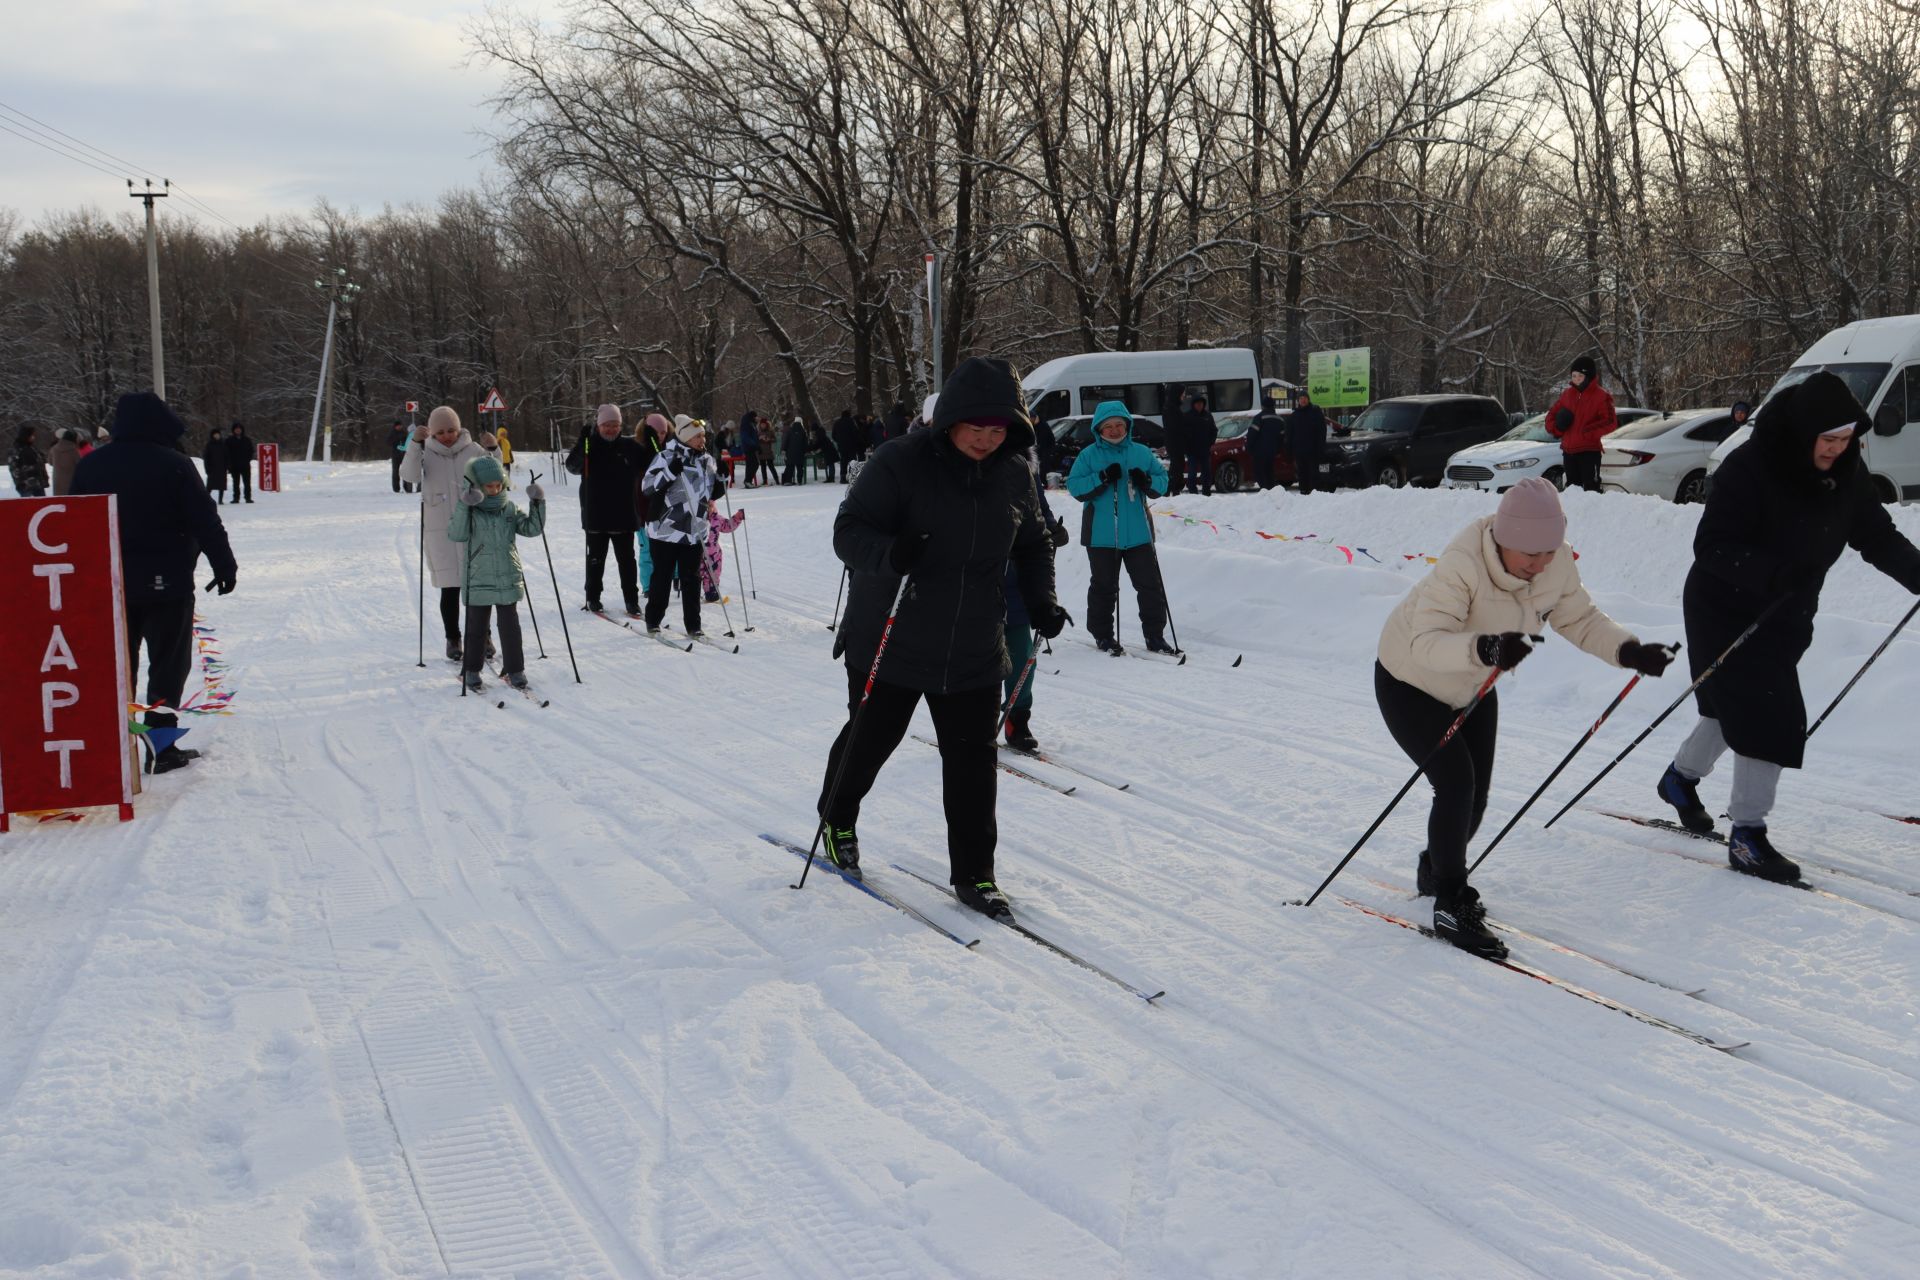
1592, 410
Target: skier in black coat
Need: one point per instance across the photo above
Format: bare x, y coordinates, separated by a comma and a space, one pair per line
610, 466
1265, 434
213, 457
167, 520
848, 441
1306, 440
1782, 508
946, 509
1197, 434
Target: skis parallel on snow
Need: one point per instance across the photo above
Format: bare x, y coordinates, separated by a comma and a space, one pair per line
1047, 758
1015, 770
1718, 838
711, 643
1572, 989
1178, 658
1040, 940
872, 891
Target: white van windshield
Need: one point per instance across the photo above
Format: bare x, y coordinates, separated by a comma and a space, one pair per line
1862, 379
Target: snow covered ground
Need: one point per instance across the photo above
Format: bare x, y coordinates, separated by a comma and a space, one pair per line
397, 984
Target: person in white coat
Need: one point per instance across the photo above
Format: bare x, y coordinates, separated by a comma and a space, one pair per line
435, 464
677, 488
1499, 582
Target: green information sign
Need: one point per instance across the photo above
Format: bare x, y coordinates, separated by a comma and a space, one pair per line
1341, 379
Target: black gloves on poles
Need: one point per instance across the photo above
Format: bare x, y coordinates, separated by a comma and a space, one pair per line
1505, 650
1112, 474
1141, 480
1647, 659
1059, 533
906, 551
1054, 623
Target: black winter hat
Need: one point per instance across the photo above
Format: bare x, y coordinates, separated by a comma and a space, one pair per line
1584, 364
985, 387
142, 415
1741, 406
1788, 423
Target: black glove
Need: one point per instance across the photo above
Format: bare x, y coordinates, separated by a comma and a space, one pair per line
1060, 535
677, 463
1141, 480
1054, 623
1504, 650
1112, 474
906, 552
225, 584
1647, 659
1564, 419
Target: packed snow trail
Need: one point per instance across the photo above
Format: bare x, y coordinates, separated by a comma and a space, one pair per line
389, 986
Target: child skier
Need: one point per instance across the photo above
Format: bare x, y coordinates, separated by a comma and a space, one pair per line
1113, 477
677, 488
488, 521
717, 524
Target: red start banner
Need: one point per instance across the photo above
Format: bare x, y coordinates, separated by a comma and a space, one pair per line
64, 742
270, 468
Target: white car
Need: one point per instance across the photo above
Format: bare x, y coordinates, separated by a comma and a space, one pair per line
1665, 456
1526, 450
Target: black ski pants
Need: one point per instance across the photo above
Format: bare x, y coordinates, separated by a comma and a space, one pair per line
1460, 773
512, 656
965, 723
1103, 590
450, 612
1306, 474
166, 628
242, 477
669, 559
1583, 471
599, 541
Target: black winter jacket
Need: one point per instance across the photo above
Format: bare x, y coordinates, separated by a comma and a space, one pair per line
950, 634
1266, 433
167, 517
1306, 433
214, 458
848, 438
1774, 524
1198, 431
239, 454
610, 484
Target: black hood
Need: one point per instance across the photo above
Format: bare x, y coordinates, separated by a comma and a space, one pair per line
1787, 425
144, 416
985, 387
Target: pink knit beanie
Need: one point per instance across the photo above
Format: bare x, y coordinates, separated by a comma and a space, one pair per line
1530, 520
608, 413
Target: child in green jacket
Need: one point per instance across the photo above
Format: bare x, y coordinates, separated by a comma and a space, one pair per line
488, 522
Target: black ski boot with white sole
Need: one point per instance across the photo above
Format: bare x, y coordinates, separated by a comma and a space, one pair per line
1459, 918
985, 897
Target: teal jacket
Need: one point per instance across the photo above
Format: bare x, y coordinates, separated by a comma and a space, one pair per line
490, 567
1115, 515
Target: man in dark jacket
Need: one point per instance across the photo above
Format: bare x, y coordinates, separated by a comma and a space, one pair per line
1783, 506
610, 466
397, 436
928, 528
240, 461
1579, 419
795, 444
749, 445
1198, 432
1306, 440
847, 441
1173, 418
1265, 434
898, 419
213, 460
167, 520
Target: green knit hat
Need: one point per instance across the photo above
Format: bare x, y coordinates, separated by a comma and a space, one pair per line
483, 471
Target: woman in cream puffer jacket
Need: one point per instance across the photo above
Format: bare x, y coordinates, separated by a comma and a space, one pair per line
1501, 581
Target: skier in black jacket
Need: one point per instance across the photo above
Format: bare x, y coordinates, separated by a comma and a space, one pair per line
610, 465
1306, 439
1783, 506
946, 509
167, 520
213, 457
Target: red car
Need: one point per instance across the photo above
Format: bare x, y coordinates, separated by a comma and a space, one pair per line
1233, 466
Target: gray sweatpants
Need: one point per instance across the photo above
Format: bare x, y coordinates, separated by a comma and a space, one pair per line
1755, 782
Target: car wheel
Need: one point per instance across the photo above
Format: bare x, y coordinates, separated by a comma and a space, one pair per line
1557, 477
1226, 477
1693, 488
1392, 474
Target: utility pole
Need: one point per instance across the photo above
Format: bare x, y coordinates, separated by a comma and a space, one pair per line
933, 311
338, 290
153, 279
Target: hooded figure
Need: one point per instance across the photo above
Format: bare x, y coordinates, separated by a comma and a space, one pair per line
1113, 479
486, 523
1782, 508
240, 461
1580, 419
213, 457
944, 509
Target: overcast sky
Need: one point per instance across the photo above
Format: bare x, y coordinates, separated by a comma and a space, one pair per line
257, 107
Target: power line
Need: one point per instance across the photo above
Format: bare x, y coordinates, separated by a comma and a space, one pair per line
81, 143
58, 151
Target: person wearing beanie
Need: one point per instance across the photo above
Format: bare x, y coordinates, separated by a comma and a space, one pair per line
1113, 479
610, 465
1740, 412
213, 460
678, 487
946, 510
240, 461
1579, 419
1499, 582
485, 523
435, 465
1783, 507
168, 520
1198, 431
397, 436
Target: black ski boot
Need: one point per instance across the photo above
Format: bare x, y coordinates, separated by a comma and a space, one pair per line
517, 680
454, 653
1750, 852
1460, 919
1019, 733
472, 680
1110, 646
592, 606
1684, 795
985, 897
169, 760
843, 849
1423, 878
1161, 646
633, 609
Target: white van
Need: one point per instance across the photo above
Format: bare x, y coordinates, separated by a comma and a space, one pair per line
1073, 385
1880, 360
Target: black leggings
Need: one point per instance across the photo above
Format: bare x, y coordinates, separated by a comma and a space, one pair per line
512, 657
1583, 470
1460, 773
450, 612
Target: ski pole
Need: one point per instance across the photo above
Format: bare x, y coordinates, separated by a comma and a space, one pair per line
1672, 707
853, 729
1486, 687
746, 615
835, 624
1153, 537
423, 582
1119, 558
528, 595
1564, 762
466, 580
1898, 628
558, 606
728, 614
1006, 708
753, 583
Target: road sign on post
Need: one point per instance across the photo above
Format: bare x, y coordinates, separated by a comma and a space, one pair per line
269, 468
1341, 379
493, 403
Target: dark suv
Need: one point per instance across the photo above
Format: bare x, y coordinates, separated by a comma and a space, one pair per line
1408, 439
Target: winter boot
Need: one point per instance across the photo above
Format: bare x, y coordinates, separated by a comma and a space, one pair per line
1107, 645
843, 849
592, 606
1019, 734
169, 760
1749, 851
633, 609
1683, 794
1161, 646
1459, 918
454, 653
517, 679
491, 651
472, 680
712, 597
1423, 877
985, 897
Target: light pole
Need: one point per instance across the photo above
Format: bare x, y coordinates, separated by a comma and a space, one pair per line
153, 280
337, 290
